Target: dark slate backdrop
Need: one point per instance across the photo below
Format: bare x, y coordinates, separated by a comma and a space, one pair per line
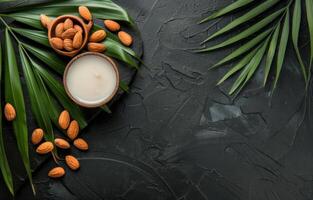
177, 136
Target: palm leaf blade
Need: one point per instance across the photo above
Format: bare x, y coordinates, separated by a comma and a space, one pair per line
309, 13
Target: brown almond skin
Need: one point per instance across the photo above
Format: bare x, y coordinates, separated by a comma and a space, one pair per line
9, 112
125, 38
96, 47
64, 119
97, 36
68, 44
85, 13
89, 26
37, 136
68, 23
59, 29
72, 162
112, 25
78, 40
61, 143
78, 28
57, 43
45, 148
81, 144
73, 130
45, 20
69, 33
56, 172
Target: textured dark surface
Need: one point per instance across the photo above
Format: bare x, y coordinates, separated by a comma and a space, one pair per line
177, 136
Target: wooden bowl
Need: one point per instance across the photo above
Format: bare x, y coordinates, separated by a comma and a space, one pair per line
105, 101
76, 20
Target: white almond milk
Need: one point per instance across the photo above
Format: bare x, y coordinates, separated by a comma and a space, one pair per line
91, 79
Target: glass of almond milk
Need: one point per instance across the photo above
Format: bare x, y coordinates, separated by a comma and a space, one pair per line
91, 79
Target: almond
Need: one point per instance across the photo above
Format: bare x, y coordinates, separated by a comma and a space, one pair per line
56, 43
45, 20
45, 148
97, 36
68, 44
64, 119
81, 144
61, 143
96, 47
78, 40
125, 38
69, 33
85, 13
72, 162
37, 136
59, 29
78, 28
89, 26
9, 112
68, 23
112, 25
56, 172
73, 130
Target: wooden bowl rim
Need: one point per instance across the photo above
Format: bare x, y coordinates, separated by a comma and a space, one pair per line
105, 101
57, 21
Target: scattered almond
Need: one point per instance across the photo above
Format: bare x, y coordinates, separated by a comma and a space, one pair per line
59, 29
81, 144
68, 44
72, 162
61, 143
9, 112
112, 25
37, 136
85, 13
89, 26
78, 40
73, 130
97, 36
69, 33
56, 43
56, 172
96, 47
68, 23
64, 119
78, 28
45, 20
125, 38
45, 148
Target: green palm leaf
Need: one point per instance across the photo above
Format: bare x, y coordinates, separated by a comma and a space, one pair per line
4, 164
14, 95
309, 13
34, 35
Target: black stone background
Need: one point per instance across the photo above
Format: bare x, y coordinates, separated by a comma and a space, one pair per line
178, 136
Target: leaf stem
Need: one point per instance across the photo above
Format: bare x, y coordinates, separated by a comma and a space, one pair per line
9, 28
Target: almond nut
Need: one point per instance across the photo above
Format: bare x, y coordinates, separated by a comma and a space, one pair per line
72, 162
64, 119
61, 143
68, 23
96, 47
45, 148
89, 26
69, 33
37, 136
78, 28
9, 112
97, 36
78, 40
125, 38
73, 130
81, 144
59, 29
68, 44
85, 13
56, 43
56, 172
45, 20
112, 25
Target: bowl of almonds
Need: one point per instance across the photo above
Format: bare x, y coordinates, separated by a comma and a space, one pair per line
68, 35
